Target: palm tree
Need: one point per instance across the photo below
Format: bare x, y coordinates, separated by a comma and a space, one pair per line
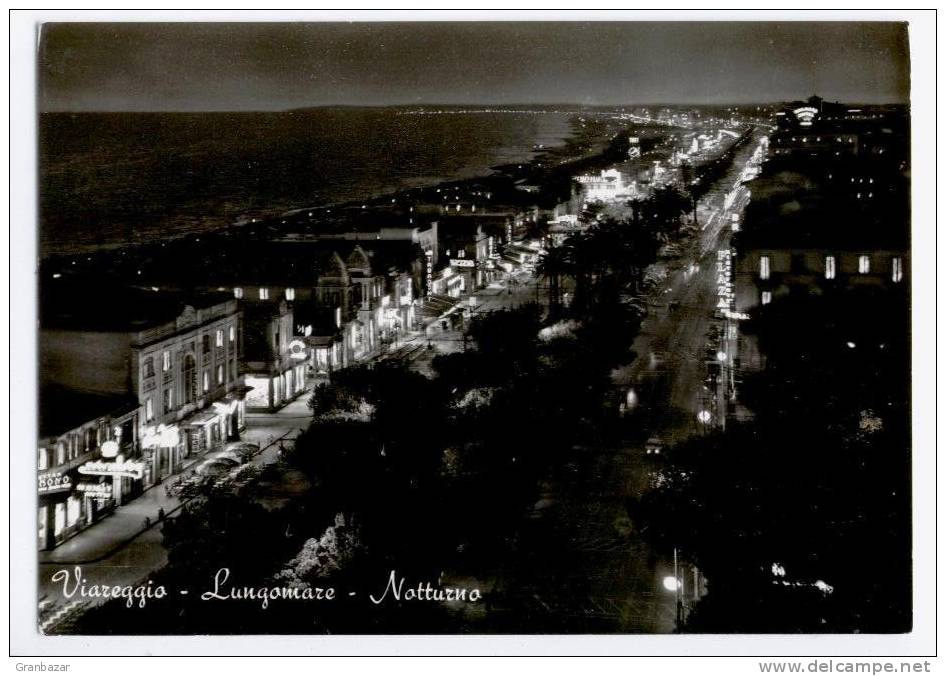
554, 265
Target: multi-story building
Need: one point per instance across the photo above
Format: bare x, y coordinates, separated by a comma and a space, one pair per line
79, 430
825, 222
178, 358
274, 359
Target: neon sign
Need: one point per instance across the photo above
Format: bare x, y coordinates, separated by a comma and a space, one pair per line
297, 349
120, 467
54, 482
805, 115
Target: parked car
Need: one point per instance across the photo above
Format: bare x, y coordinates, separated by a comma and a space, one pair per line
244, 448
226, 455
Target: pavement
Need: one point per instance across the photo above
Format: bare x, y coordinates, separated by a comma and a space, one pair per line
122, 549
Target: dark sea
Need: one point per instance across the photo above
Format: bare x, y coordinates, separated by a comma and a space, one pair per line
108, 179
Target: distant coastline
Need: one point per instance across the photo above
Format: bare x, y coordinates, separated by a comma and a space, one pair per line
118, 179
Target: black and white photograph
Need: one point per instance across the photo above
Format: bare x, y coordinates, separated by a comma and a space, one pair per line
446, 326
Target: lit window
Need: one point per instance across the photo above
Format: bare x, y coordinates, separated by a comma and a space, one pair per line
59, 521
863, 264
290, 294
149, 410
238, 292
219, 338
168, 401
232, 333
829, 267
220, 374
206, 381
897, 269
72, 510
263, 293
766, 297
166, 361
42, 462
60, 453
764, 267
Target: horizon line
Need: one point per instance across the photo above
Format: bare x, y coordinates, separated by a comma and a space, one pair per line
455, 105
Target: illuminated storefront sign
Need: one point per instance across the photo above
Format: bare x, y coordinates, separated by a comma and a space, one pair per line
162, 436
462, 262
430, 270
92, 490
54, 482
120, 467
297, 349
805, 115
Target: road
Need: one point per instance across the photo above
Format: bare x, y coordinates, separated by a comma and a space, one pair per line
593, 569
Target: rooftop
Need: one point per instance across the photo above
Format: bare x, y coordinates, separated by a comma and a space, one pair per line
102, 304
62, 409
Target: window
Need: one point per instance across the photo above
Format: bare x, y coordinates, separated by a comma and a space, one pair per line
149, 410
220, 374
190, 379
290, 294
149, 367
206, 342
829, 267
60, 453
168, 401
863, 264
238, 292
42, 461
766, 297
764, 267
166, 361
72, 510
206, 381
219, 342
263, 293
896, 269
232, 333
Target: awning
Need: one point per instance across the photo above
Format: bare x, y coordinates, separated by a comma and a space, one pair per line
201, 419
436, 304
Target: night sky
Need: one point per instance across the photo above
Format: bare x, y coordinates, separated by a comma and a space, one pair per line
258, 66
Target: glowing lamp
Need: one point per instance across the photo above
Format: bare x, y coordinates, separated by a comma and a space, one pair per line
109, 449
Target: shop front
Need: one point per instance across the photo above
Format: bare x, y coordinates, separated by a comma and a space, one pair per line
60, 513
270, 393
163, 450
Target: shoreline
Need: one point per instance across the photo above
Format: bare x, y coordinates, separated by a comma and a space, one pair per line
580, 149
